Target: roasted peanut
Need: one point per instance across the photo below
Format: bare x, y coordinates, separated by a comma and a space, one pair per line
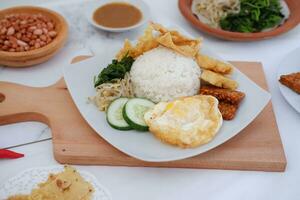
45, 31
25, 32
43, 37
52, 34
38, 32
6, 43
21, 43
3, 31
10, 31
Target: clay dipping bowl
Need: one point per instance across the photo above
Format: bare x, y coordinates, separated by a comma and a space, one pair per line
40, 55
290, 23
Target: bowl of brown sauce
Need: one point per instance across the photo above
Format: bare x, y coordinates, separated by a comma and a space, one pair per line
118, 16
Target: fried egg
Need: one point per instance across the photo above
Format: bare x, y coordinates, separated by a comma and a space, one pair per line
186, 122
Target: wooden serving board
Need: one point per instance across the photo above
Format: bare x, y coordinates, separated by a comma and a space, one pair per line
257, 147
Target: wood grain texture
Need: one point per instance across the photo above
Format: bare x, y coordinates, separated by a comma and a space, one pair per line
290, 23
257, 147
33, 57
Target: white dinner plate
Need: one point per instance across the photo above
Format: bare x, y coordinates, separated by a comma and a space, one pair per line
27, 180
91, 7
143, 145
290, 64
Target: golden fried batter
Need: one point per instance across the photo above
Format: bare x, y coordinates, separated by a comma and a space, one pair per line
218, 80
168, 38
145, 43
158, 27
176, 41
292, 81
226, 95
206, 62
186, 47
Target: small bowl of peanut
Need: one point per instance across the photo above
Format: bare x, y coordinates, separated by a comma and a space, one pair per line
30, 35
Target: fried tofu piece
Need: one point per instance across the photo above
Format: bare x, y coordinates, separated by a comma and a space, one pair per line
218, 80
226, 95
227, 110
292, 81
206, 62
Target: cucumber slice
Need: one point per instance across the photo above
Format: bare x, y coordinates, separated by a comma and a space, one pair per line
114, 115
133, 113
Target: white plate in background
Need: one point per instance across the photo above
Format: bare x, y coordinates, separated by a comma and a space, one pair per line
290, 64
143, 145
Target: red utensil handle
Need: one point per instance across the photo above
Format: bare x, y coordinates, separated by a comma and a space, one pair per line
4, 153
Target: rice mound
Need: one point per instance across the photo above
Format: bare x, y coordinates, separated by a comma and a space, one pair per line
162, 74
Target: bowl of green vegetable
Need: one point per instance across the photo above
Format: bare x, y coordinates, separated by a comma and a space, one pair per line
242, 20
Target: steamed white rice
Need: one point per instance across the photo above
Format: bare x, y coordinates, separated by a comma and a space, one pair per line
162, 74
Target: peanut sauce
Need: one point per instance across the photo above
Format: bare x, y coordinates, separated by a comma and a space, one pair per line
117, 15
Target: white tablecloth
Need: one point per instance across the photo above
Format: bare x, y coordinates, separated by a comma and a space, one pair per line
154, 183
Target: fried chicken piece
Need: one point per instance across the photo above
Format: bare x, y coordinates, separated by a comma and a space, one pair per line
206, 62
227, 110
292, 81
218, 80
226, 95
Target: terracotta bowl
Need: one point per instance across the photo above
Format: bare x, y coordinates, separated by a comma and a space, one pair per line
33, 57
292, 21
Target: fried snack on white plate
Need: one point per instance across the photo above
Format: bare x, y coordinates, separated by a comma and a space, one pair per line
228, 110
226, 95
176, 41
187, 48
206, 62
186, 122
66, 185
291, 81
229, 100
145, 43
168, 38
218, 80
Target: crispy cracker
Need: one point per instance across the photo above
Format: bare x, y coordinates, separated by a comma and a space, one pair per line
145, 43
189, 49
168, 38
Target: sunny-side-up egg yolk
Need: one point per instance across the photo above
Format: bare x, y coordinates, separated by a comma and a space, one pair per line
186, 122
